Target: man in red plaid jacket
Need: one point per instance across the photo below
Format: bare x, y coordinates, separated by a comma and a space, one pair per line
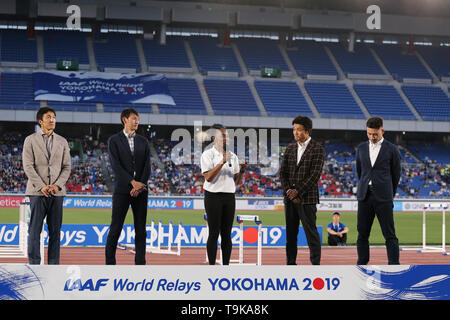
299, 174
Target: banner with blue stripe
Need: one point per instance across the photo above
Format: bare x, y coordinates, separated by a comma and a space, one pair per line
101, 87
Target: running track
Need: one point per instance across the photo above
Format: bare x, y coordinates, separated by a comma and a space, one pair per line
270, 256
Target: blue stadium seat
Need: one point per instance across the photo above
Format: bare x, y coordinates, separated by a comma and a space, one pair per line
431, 102
400, 64
16, 91
282, 98
231, 97
311, 58
17, 47
339, 151
209, 56
333, 100
361, 61
117, 51
172, 54
118, 107
187, 97
427, 152
437, 58
73, 106
65, 45
384, 101
258, 53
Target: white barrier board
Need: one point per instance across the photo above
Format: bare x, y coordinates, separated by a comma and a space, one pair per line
224, 282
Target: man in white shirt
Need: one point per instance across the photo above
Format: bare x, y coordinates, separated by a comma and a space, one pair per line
222, 173
378, 165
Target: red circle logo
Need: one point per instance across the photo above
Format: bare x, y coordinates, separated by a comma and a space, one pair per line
251, 235
179, 204
318, 283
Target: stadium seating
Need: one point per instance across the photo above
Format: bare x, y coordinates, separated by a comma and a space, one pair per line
282, 98
333, 100
16, 91
171, 55
430, 152
311, 59
210, 56
437, 58
110, 52
258, 53
432, 103
73, 106
400, 64
361, 61
16, 47
186, 95
118, 107
384, 101
231, 97
65, 45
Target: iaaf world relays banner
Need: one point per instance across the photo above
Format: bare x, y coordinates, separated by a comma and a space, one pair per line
190, 236
101, 87
227, 283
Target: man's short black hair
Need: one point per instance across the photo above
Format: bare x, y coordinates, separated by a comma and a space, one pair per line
127, 112
304, 121
42, 111
374, 123
217, 126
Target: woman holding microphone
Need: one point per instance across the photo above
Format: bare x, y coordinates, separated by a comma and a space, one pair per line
222, 173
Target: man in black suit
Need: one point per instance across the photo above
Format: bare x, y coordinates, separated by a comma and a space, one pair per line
299, 174
129, 154
378, 165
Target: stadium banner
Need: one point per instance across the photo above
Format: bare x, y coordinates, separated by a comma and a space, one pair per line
101, 87
224, 283
10, 202
419, 205
106, 203
190, 236
96, 202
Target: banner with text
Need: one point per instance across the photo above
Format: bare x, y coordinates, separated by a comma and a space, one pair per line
225, 283
95, 235
101, 87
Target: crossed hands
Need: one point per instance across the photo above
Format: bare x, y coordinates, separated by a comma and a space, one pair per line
293, 195
138, 187
50, 190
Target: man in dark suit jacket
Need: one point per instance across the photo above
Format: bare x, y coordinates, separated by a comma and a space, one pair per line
300, 172
378, 165
129, 154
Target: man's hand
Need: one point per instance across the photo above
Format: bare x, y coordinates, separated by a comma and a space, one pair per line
138, 185
135, 192
292, 194
47, 191
53, 189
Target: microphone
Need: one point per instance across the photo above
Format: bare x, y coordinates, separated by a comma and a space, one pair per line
229, 159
